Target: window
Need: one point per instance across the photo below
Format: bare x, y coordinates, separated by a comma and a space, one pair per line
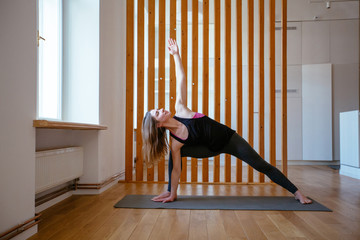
50, 59
68, 60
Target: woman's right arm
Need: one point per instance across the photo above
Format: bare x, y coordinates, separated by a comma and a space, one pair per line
176, 171
181, 91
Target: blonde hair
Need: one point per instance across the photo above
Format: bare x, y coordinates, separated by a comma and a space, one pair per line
154, 140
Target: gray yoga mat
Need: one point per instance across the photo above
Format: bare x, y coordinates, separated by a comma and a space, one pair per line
221, 203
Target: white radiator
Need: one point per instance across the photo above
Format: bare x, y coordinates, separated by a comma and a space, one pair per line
58, 166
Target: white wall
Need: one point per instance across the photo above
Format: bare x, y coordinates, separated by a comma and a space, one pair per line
18, 109
112, 86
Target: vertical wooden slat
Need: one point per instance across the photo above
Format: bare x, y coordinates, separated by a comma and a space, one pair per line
140, 90
195, 88
228, 81
217, 82
261, 84
251, 81
162, 46
151, 70
284, 86
205, 161
184, 36
239, 95
272, 117
129, 89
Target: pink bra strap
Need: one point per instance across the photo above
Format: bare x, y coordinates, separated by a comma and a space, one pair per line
198, 115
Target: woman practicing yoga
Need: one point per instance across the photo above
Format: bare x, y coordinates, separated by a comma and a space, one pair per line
195, 135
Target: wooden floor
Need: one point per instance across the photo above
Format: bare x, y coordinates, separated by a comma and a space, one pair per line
93, 217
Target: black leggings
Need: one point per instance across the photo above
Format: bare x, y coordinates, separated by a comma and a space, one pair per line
241, 149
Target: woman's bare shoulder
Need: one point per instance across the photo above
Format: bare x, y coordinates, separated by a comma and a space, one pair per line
184, 112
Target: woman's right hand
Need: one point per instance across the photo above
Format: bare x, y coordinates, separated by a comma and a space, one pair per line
173, 47
161, 197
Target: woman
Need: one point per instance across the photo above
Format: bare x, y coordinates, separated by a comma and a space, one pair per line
196, 135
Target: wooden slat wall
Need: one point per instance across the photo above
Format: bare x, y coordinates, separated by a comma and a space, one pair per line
129, 90
140, 90
284, 86
228, 81
239, 95
261, 86
272, 117
194, 87
217, 82
183, 53
251, 81
205, 161
151, 70
161, 95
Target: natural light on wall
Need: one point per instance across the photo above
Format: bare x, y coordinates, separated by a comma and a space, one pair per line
49, 72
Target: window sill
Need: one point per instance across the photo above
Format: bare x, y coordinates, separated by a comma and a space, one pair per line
67, 125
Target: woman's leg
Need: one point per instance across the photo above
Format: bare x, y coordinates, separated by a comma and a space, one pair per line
170, 167
238, 147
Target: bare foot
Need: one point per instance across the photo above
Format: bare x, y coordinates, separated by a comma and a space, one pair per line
161, 196
302, 198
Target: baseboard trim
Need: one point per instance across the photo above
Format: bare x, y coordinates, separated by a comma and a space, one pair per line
53, 201
350, 171
98, 188
91, 191
27, 233
99, 185
28, 227
78, 189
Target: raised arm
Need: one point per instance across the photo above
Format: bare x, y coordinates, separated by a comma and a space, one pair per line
181, 91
